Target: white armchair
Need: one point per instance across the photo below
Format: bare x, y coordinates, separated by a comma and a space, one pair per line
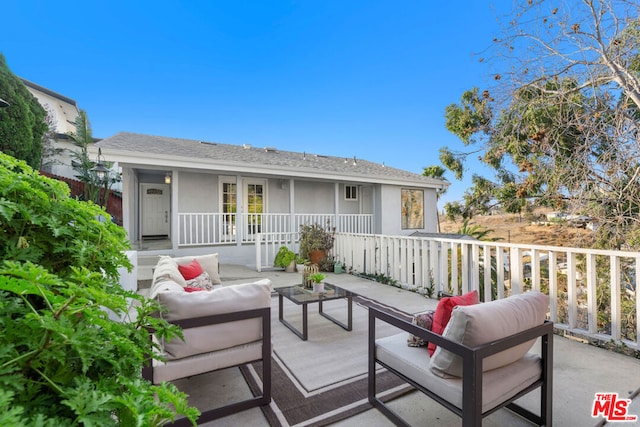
226, 327
482, 362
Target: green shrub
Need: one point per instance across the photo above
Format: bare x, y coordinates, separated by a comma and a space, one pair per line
284, 257
63, 361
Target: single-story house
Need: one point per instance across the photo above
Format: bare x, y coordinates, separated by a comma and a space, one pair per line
197, 194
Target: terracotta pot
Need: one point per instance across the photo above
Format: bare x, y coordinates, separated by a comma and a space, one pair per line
316, 256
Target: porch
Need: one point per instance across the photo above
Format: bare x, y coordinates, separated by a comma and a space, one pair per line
580, 370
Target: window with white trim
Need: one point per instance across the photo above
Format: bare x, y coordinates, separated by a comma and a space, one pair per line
350, 192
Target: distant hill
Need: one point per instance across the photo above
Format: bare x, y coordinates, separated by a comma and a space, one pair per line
518, 229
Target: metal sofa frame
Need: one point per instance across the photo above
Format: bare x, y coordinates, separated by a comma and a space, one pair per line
260, 400
471, 411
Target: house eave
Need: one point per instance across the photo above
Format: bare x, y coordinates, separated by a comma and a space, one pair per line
159, 161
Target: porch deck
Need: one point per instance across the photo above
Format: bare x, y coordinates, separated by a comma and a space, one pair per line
580, 370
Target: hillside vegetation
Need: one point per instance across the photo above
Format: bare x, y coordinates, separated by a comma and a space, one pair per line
526, 229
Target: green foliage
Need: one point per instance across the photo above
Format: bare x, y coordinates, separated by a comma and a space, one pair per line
476, 231
437, 172
63, 360
284, 257
22, 124
96, 189
559, 127
314, 237
317, 277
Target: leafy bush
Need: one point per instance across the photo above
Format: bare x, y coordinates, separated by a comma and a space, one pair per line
63, 360
314, 237
284, 257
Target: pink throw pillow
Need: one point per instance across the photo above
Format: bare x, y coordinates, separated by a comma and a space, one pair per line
443, 313
191, 270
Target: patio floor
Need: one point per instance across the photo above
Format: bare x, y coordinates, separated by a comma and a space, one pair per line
580, 370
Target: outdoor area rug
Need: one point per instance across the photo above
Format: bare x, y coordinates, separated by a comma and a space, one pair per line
324, 379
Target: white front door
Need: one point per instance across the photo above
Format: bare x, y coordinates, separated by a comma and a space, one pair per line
155, 210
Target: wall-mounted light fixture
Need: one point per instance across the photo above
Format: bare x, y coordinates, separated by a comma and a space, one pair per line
100, 169
167, 178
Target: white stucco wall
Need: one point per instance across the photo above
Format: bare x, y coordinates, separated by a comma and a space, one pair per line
390, 212
277, 196
197, 193
64, 114
314, 197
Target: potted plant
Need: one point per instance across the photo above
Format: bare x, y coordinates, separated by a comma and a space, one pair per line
315, 243
300, 262
285, 258
317, 279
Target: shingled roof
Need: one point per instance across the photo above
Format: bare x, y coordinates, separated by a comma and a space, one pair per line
216, 153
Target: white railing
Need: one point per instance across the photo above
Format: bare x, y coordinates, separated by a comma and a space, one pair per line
198, 229
202, 229
592, 292
267, 246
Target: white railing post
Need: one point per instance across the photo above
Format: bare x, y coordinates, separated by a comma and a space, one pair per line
486, 262
259, 252
571, 289
615, 297
515, 270
592, 303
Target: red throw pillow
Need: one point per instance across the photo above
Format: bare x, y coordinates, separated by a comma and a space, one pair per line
443, 313
193, 289
191, 270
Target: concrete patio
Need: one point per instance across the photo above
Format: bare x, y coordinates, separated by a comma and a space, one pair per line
580, 370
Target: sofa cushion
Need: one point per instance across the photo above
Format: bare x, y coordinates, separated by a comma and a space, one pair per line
424, 320
443, 313
190, 270
202, 281
209, 264
227, 299
479, 324
167, 270
498, 385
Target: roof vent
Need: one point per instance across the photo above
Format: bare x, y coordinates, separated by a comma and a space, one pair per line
246, 146
270, 149
354, 161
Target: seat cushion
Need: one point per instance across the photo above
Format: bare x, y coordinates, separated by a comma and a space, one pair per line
498, 385
228, 299
444, 310
200, 363
474, 325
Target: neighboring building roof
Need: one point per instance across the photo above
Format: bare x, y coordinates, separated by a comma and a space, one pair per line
146, 150
443, 235
64, 109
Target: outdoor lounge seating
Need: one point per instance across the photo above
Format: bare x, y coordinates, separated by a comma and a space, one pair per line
225, 327
482, 362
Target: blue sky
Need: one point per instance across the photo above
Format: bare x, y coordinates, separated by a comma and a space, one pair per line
369, 79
